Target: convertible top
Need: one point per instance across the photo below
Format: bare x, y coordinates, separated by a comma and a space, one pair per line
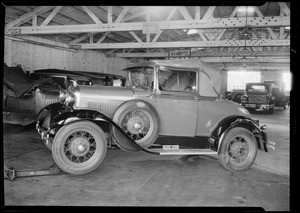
50, 72
214, 73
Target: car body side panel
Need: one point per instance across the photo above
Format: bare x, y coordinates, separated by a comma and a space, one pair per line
211, 111
178, 114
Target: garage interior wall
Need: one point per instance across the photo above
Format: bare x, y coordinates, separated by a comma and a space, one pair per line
32, 57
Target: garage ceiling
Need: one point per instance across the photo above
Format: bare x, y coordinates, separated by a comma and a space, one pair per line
230, 37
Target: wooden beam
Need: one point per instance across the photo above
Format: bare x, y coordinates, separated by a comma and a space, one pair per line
51, 15
28, 16
91, 15
285, 8
109, 14
81, 38
197, 13
136, 15
122, 14
136, 37
189, 44
34, 20
102, 38
172, 12
209, 12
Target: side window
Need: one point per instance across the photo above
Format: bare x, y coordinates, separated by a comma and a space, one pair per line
205, 87
179, 81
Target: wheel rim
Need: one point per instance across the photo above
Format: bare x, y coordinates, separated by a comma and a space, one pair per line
80, 147
238, 149
138, 124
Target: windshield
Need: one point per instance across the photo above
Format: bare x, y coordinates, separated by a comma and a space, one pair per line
142, 77
258, 88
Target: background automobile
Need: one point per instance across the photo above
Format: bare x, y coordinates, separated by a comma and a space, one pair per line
259, 96
163, 100
25, 95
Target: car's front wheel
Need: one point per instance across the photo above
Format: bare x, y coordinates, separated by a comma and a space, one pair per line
238, 149
79, 147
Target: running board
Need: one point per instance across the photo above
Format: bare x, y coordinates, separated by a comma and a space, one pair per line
174, 150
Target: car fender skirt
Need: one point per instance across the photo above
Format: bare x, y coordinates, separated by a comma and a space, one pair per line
127, 143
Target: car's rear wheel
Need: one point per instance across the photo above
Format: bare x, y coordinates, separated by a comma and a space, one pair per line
139, 121
238, 149
79, 147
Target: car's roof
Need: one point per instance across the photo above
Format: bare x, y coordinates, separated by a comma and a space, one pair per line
194, 64
76, 73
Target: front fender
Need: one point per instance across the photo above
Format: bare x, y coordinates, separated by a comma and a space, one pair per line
68, 117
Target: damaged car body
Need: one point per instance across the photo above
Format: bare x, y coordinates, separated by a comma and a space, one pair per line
169, 107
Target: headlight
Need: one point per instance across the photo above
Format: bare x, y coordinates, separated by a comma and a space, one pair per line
67, 97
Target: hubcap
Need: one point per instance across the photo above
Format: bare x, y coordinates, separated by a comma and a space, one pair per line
80, 147
138, 124
238, 149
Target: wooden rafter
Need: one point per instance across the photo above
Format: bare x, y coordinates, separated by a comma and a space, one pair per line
91, 15
51, 15
28, 16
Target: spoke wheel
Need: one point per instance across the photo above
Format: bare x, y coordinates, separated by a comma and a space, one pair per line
238, 149
79, 147
139, 121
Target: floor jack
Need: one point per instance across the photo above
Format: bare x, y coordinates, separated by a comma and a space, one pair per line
12, 174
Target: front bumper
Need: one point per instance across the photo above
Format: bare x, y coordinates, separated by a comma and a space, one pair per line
44, 133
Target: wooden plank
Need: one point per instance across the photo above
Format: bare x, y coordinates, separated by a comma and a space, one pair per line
51, 15
91, 14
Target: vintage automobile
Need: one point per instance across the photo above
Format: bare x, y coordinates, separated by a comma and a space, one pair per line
169, 107
235, 95
259, 96
278, 90
25, 95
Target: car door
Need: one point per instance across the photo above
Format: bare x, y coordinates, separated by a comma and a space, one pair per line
176, 104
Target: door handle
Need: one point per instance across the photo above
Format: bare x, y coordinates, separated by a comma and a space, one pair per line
196, 98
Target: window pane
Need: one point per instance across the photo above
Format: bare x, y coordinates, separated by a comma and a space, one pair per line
181, 81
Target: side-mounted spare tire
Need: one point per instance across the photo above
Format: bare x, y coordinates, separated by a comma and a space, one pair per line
139, 120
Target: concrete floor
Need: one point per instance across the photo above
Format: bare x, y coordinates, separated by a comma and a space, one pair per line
141, 179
